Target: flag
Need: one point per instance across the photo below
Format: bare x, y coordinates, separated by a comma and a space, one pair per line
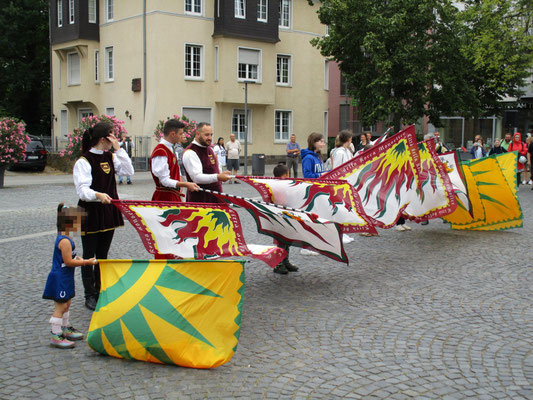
193, 231
186, 313
455, 173
382, 138
293, 227
332, 200
491, 185
386, 177
435, 197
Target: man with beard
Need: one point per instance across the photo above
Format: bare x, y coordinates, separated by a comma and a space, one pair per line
201, 166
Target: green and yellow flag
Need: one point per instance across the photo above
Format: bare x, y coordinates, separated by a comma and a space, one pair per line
182, 312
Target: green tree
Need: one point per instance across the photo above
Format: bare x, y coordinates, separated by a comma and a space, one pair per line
24, 63
409, 58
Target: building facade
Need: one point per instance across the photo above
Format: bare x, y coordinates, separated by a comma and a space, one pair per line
144, 61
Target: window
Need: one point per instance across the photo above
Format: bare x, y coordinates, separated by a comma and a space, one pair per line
237, 125
109, 65
282, 125
193, 6
326, 124
109, 12
63, 120
193, 61
84, 113
283, 70
344, 86
71, 11
326, 75
110, 111
216, 63
344, 116
92, 11
59, 13
262, 10
249, 64
96, 66
197, 114
285, 13
74, 72
240, 11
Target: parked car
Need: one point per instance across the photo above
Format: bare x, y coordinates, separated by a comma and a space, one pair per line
35, 156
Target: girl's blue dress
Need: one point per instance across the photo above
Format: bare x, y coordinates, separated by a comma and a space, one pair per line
60, 283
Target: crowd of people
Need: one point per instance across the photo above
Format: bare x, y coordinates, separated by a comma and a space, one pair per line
201, 165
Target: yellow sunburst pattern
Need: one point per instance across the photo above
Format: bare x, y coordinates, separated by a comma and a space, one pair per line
182, 312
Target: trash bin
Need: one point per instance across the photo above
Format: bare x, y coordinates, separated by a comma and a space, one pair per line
258, 164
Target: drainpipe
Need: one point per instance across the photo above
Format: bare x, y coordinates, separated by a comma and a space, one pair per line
144, 59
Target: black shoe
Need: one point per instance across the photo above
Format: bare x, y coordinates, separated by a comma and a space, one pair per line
290, 267
281, 269
90, 302
120, 183
426, 222
129, 182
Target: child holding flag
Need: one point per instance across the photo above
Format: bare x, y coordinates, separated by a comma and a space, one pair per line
60, 283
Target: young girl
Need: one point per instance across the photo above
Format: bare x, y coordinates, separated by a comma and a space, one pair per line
94, 177
312, 164
60, 283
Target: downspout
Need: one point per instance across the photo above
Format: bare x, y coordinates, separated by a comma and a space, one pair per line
52, 137
144, 60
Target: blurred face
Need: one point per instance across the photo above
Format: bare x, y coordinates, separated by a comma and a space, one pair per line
175, 136
220, 141
368, 137
363, 138
205, 135
293, 139
516, 137
320, 144
437, 135
232, 137
508, 137
496, 142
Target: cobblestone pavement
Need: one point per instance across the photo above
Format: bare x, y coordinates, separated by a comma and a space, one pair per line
431, 313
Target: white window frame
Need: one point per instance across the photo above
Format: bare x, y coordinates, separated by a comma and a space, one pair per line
289, 133
191, 4
239, 7
259, 66
93, 8
216, 63
326, 124
97, 66
326, 74
262, 8
71, 17
63, 122
81, 111
109, 6
289, 72
238, 136
69, 65
59, 13
289, 19
186, 55
110, 111
109, 72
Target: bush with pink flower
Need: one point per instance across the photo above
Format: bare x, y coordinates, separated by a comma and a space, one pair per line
13, 140
73, 148
189, 131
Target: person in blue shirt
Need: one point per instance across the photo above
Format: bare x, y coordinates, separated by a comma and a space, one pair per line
312, 164
293, 151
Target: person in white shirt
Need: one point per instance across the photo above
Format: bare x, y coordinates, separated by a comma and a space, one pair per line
164, 164
94, 178
220, 151
126, 143
342, 153
233, 151
201, 166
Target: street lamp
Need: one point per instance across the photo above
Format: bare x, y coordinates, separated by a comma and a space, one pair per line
246, 82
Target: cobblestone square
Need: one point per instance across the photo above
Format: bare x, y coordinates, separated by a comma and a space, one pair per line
428, 313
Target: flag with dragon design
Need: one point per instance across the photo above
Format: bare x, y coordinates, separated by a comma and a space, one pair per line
455, 173
293, 227
186, 313
332, 200
386, 177
193, 231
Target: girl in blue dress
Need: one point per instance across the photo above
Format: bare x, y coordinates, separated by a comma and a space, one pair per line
60, 283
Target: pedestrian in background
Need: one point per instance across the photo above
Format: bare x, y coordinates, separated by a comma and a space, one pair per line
94, 178
506, 141
478, 150
293, 153
362, 142
521, 148
497, 148
312, 164
233, 152
126, 143
60, 282
220, 152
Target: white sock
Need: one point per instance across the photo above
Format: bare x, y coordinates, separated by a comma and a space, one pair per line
56, 322
65, 318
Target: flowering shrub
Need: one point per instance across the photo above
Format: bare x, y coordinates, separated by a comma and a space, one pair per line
189, 131
73, 149
13, 140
